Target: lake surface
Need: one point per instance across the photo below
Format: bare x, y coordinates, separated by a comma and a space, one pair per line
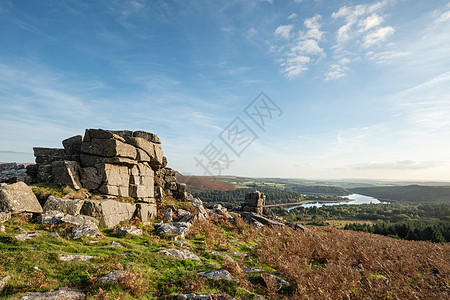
357, 199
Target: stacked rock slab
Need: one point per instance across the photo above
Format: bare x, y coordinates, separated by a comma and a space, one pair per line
254, 202
119, 163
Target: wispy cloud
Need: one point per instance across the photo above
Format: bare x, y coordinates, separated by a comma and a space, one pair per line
284, 31
361, 30
398, 165
338, 70
301, 48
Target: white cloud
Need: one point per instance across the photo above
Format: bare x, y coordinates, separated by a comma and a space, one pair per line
360, 30
300, 49
313, 26
295, 65
292, 16
443, 16
386, 56
378, 36
335, 72
370, 22
425, 108
361, 21
284, 31
308, 46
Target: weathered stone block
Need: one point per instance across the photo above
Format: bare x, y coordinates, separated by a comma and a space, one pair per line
255, 199
142, 155
66, 173
91, 178
148, 136
122, 191
171, 186
141, 191
108, 212
92, 160
47, 155
122, 133
157, 160
18, 197
50, 152
67, 206
44, 173
146, 211
91, 134
72, 145
143, 144
108, 148
115, 174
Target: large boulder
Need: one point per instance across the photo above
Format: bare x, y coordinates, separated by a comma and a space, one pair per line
18, 197
67, 206
255, 199
108, 212
66, 173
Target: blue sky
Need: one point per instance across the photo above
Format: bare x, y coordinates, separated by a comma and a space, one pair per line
363, 86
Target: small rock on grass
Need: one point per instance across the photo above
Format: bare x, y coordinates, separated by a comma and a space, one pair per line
204, 297
181, 254
71, 257
274, 280
112, 277
219, 275
26, 236
3, 281
133, 230
87, 230
248, 270
225, 256
59, 294
116, 244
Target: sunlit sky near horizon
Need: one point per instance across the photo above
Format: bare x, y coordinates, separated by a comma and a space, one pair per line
363, 86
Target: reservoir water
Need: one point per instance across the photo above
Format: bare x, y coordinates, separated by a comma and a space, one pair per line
356, 200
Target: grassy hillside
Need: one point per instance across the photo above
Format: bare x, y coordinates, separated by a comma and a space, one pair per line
321, 263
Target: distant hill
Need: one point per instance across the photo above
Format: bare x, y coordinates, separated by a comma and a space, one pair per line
410, 193
199, 184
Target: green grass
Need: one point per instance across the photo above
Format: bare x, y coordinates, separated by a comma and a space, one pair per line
34, 265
